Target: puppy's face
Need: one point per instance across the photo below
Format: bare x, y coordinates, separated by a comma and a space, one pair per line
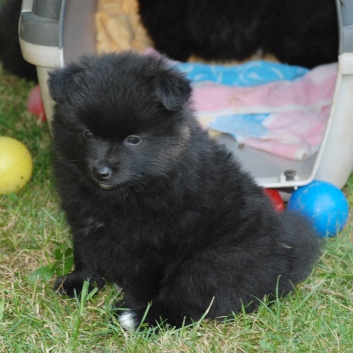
121, 119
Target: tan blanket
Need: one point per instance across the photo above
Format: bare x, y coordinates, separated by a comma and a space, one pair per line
119, 27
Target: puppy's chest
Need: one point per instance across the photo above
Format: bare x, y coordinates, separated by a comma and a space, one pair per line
123, 247
123, 234
129, 233
156, 222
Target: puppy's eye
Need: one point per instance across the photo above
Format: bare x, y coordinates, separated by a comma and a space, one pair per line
87, 135
133, 140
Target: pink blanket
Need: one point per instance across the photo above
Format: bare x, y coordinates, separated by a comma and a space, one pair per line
287, 118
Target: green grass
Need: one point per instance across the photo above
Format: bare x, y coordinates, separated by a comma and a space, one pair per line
34, 238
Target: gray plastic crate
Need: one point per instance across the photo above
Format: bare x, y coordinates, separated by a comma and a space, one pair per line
54, 32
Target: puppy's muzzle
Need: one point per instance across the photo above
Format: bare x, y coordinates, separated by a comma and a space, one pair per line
105, 173
102, 172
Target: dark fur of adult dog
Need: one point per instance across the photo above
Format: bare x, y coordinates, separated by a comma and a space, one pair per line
158, 207
10, 51
298, 32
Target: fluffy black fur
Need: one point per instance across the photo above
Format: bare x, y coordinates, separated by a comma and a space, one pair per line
158, 207
303, 32
298, 32
10, 51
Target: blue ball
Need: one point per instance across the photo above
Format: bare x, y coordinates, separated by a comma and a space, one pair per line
324, 204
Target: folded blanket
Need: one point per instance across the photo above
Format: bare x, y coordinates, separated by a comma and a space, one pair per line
251, 73
287, 118
274, 107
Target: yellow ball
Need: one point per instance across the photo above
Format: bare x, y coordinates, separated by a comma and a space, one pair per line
16, 165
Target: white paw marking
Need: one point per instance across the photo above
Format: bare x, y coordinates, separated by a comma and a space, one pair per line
127, 320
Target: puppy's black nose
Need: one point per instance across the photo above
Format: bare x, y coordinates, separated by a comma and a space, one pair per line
102, 172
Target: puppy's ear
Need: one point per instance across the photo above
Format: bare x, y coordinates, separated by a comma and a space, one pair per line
62, 81
173, 90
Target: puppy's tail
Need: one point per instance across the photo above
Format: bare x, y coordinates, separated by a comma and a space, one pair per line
305, 245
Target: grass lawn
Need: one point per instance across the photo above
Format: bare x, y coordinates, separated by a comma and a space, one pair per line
35, 246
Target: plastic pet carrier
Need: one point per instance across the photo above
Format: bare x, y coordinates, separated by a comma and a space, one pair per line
54, 32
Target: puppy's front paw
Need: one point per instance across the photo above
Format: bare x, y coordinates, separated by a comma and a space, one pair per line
129, 320
68, 285
72, 283
126, 317
59, 287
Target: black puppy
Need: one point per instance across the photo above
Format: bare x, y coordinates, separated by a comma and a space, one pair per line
158, 207
298, 32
